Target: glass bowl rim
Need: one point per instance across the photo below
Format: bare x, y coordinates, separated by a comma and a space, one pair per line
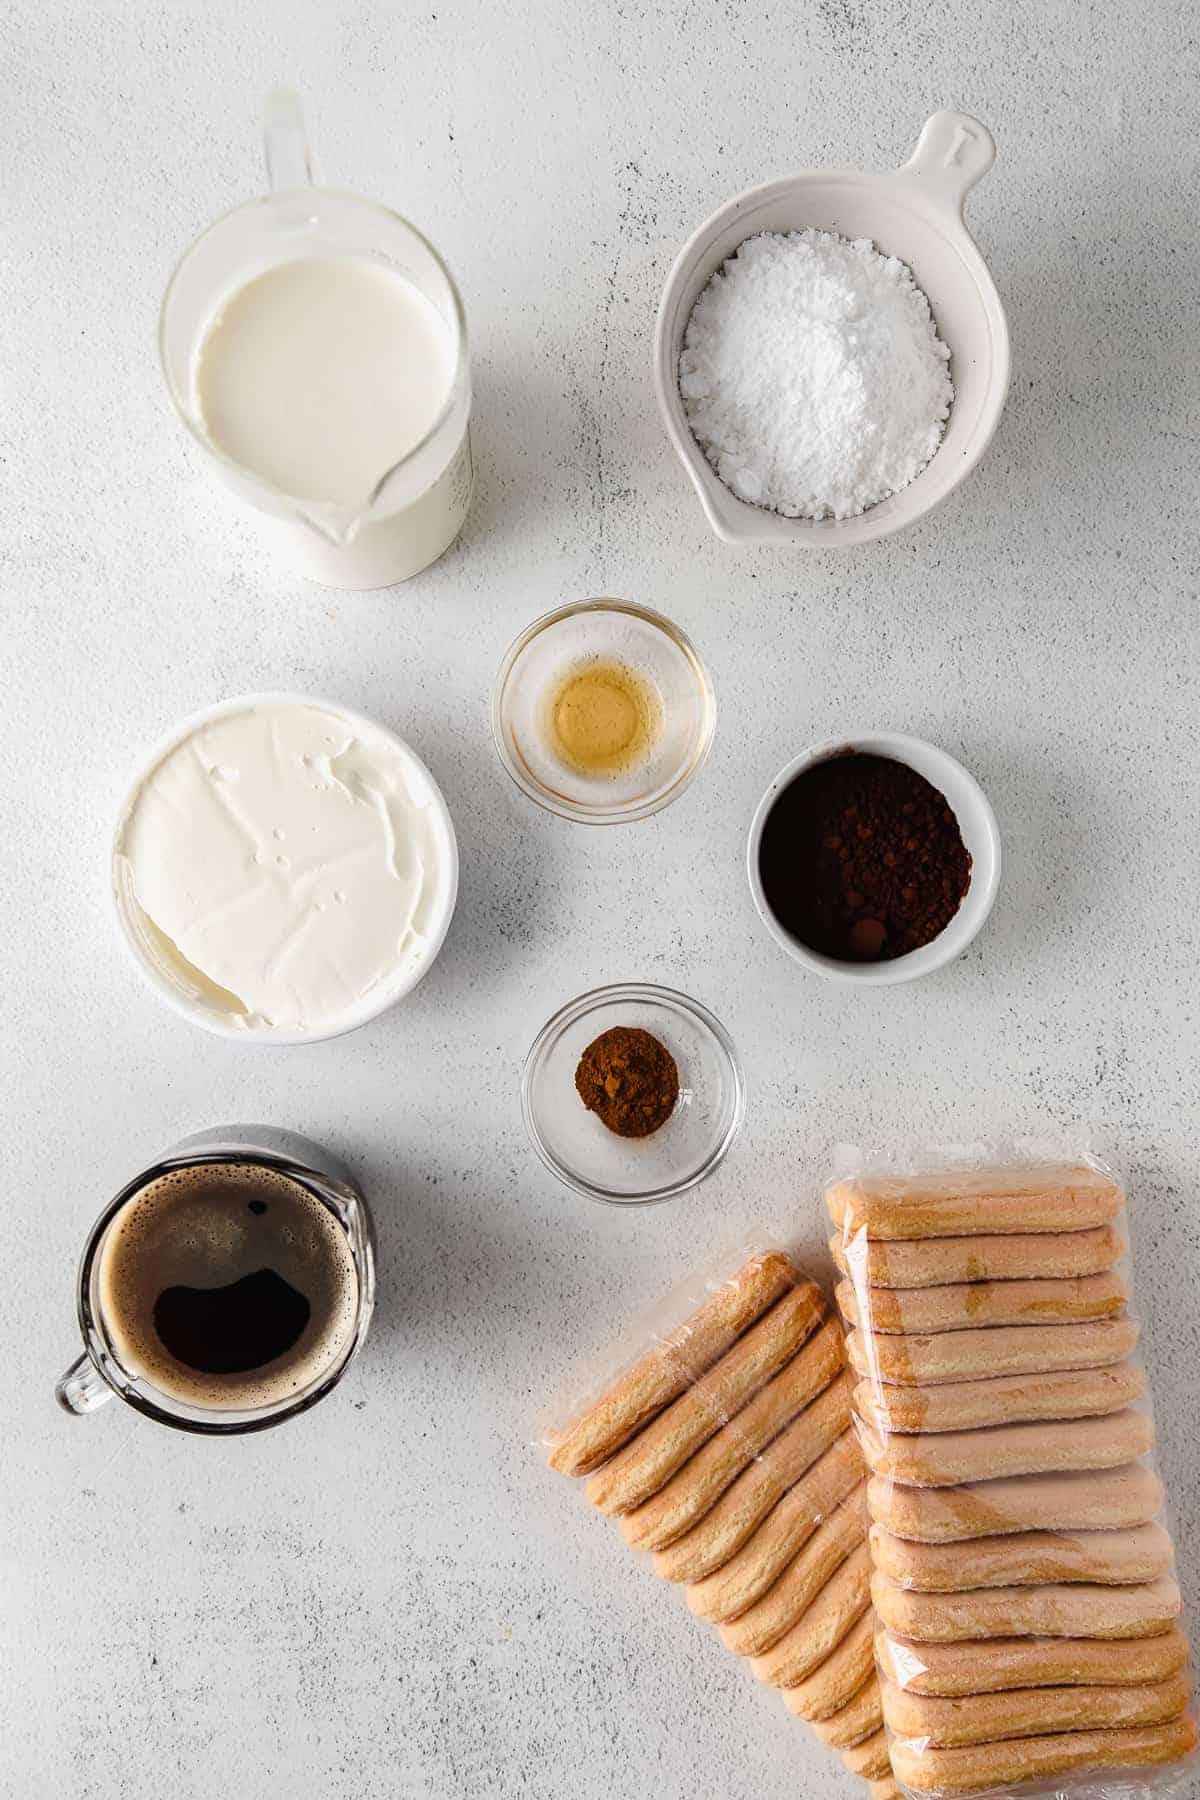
578, 1008
558, 803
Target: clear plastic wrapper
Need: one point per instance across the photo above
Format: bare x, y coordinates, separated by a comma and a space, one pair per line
719, 1439
1023, 1584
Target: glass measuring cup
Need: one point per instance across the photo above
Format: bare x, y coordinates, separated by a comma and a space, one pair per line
417, 507
98, 1375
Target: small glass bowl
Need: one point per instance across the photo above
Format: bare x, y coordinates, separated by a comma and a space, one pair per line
595, 1161
576, 634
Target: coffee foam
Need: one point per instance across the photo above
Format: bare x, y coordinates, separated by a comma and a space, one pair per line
195, 1227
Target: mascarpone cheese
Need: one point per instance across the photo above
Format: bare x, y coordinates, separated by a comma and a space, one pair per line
282, 863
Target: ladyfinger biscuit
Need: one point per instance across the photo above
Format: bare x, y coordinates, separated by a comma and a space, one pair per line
742, 1507
959, 1669
869, 1759
958, 1202
842, 1601
1005, 1400
1032, 1712
1139, 1553
666, 1370
972, 1305
1094, 1500
1052, 1611
971, 1769
701, 1482
933, 1262
834, 1683
858, 1719
948, 1458
885, 1789
784, 1532
764, 1623
646, 1464
1002, 1350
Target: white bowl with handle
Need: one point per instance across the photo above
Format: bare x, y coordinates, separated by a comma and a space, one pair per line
914, 213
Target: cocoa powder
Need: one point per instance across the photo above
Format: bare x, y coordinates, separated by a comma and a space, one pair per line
862, 859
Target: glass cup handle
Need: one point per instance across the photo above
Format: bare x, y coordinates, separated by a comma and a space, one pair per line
285, 142
83, 1388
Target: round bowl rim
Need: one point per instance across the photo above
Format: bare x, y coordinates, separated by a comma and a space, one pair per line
373, 1005
557, 804
977, 902
578, 1008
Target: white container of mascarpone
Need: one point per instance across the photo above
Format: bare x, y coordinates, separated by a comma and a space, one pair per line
283, 869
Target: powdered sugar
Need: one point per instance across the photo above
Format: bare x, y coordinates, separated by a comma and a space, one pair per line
812, 374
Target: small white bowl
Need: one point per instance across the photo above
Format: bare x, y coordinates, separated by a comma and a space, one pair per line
980, 834
163, 982
914, 213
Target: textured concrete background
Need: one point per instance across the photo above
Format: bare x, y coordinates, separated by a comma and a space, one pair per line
390, 1596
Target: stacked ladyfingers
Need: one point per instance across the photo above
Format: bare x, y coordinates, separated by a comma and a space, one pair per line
726, 1451
1023, 1590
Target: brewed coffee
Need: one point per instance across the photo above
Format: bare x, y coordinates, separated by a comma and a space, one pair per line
227, 1285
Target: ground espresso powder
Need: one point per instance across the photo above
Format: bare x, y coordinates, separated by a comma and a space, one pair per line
629, 1080
862, 859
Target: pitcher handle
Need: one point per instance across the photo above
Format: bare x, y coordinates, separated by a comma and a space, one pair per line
953, 151
83, 1388
285, 142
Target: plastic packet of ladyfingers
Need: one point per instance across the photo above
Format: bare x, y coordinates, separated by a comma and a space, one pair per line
1023, 1582
664, 1350
719, 1440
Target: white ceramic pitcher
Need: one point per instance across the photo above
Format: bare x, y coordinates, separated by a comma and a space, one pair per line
417, 507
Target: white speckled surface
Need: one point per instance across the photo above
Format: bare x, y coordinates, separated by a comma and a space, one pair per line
389, 1596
